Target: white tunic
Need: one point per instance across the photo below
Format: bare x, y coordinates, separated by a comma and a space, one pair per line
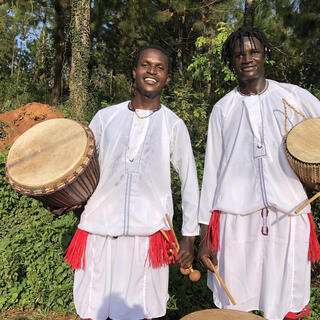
245, 166
132, 197
246, 170
134, 191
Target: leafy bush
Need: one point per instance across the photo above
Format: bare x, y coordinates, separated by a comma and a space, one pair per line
33, 274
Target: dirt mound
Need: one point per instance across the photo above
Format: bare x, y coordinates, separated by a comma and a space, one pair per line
16, 122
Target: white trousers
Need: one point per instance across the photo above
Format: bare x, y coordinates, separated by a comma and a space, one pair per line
117, 281
269, 272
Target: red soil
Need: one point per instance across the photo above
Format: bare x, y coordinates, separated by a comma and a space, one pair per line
20, 120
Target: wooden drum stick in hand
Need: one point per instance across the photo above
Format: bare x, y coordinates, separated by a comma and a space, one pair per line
194, 275
221, 281
174, 234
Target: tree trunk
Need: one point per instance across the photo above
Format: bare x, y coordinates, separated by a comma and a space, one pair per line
249, 13
43, 49
59, 45
13, 55
80, 56
179, 54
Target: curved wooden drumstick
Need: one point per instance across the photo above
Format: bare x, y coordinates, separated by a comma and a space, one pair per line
221, 281
307, 202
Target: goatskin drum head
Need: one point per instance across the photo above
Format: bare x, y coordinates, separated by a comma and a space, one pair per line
47, 153
221, 314
303, 141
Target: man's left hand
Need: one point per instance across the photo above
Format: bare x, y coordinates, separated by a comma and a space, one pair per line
186, 252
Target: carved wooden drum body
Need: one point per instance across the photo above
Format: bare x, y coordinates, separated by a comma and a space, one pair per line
221, 314
302, 147
55, 162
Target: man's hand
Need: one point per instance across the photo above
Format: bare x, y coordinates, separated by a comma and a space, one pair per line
204, 252
312, 186
186, 252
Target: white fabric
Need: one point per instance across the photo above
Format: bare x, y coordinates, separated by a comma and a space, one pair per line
246, 170
130, 201
138, 132
245, 167
269, 273
132, 198
116, 282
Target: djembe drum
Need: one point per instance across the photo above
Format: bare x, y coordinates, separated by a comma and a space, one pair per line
302, 148
54, 162
221, 314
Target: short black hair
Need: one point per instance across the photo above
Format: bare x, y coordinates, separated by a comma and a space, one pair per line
156, 47
244, 31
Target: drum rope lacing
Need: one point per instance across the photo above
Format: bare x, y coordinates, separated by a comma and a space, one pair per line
285, 104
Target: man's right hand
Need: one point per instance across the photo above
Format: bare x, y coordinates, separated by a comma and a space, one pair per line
312, 186
204, 252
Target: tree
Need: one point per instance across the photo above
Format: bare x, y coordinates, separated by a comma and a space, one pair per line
61, 19
249, 13
80, 39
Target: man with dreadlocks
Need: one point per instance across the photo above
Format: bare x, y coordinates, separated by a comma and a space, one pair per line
249, 191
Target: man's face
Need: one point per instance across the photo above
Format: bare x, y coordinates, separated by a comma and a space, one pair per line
248, 62
151, 73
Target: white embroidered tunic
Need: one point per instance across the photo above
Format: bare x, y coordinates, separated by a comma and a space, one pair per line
134, 191
246, 167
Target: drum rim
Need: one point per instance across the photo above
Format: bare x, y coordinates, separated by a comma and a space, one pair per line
68, 179
286, 145
296, 159
222, 311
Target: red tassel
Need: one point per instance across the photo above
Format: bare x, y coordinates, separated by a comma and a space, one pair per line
159, 250
314, 246
75, 253
213, 231
305, 312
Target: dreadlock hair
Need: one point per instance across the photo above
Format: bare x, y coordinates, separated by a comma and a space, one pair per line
156, 47
244, 31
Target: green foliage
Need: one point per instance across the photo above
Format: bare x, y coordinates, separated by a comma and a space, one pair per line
314, 304
2, 132
33, 274
207, 67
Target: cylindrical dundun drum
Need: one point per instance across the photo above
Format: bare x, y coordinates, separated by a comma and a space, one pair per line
55, 162
221, 314
302, 147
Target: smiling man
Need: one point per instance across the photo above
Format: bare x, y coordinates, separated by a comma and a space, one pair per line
125, 274
250, 193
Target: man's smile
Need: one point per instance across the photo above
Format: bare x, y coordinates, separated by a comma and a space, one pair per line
150, 80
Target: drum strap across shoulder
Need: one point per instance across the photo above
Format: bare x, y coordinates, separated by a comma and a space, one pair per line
285, 104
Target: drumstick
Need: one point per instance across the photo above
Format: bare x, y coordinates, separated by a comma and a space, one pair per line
194, 275
221, 281
172, 230
166, 237
307, 202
